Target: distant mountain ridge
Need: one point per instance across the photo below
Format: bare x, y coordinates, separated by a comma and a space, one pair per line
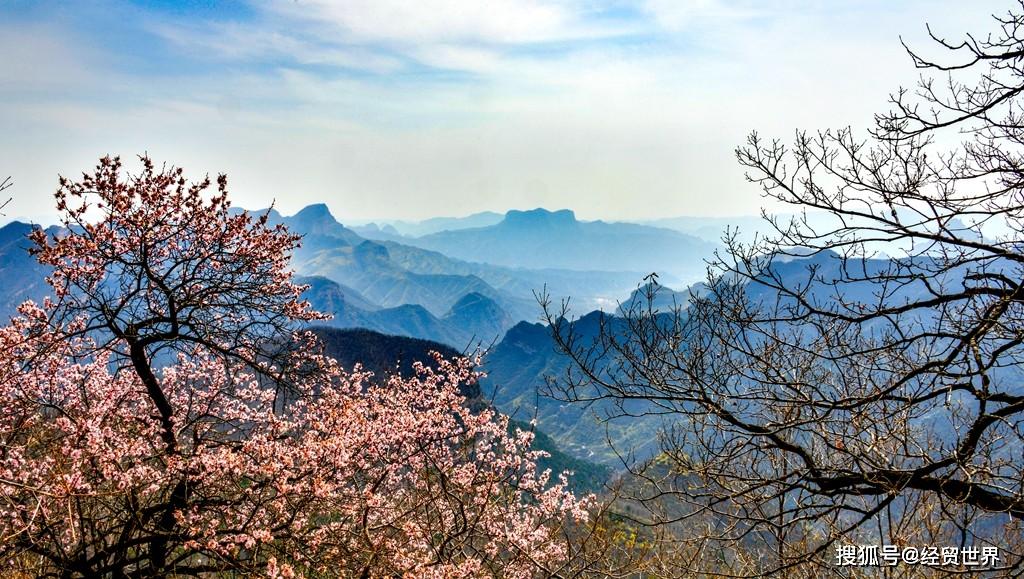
395, 288
391, 274
474, 320
540, 238
660, 298
376, 276
522, 363
390, 228
518, 369
329, 249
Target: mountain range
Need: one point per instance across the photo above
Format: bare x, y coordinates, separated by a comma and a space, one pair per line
520, 371
541, 239
406, 289
460, 289
472, 287
23, 277
427, 226
396, 287
473, 320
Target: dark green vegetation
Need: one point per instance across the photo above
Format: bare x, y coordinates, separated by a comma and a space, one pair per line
586, 476
383, 354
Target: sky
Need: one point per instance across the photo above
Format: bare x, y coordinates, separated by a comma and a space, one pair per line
397, 109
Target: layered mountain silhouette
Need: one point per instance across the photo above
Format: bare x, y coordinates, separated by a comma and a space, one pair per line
656, 297
390, 274
474, 320
519, 370
335, 252
556, 239
524, 364
433, 225
419, 292
475, 286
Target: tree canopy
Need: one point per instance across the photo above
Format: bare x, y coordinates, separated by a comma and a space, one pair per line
164, 413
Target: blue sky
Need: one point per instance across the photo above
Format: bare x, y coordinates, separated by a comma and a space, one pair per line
397, 109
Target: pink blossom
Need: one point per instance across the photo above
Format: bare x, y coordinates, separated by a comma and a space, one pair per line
113, 466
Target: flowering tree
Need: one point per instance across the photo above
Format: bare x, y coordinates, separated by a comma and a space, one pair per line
144, 432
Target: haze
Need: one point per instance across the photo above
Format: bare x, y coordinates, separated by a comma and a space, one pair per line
400, 110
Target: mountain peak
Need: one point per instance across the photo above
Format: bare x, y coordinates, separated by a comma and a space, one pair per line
474, 301
369, 251
540, 217
316, 221
478, 311
17, 227
315, 212
16, 231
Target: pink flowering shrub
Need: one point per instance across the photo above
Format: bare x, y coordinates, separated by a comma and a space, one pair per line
241, 454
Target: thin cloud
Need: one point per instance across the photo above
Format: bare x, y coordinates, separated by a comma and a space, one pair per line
679, 15
442, 21
416, 109
233, 41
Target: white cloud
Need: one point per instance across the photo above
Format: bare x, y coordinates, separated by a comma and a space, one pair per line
246, 42
41, 57
456, 57
383, 36
678, 15
439, 21
612, 129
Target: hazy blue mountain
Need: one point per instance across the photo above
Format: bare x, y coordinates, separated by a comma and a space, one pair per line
473, 319
520, 365
556, 239
394, 276
378, 232
435, 224
376, 292
390, 274
315, 223
334, 251
23, 277
588, 289
746, 227
518, 368
711, 229
480, 316
334, 295
659, 297
347, 305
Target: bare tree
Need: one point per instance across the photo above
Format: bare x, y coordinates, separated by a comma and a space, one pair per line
4, 185
855, 376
